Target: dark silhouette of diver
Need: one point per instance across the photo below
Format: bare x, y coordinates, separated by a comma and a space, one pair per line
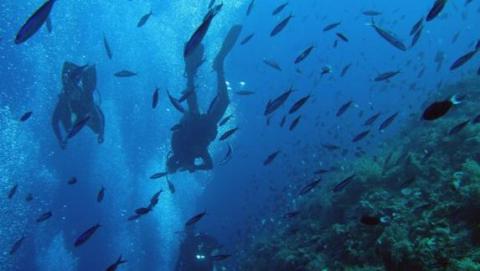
76, 102
196, 252
197, 130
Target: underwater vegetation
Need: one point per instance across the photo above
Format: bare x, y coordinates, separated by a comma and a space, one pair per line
413, 205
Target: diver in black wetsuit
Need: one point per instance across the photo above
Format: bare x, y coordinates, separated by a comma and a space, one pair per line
76, 102
196, 130
196, 252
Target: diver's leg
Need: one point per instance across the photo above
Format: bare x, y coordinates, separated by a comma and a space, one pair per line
223, 100
89, 81
192, 63
97, 123
61, 114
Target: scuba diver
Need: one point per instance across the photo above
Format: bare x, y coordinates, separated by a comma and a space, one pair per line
196, 252
195, 132
76, 103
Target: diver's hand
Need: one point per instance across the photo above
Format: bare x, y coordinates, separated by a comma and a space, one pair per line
100, 139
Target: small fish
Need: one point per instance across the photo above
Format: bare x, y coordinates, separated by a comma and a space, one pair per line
247, 39
155, 198
342, 37
476, 119
388, 121
212, 103
294, 123
408, 182
144, 19
371, 13
291, 214
185, 96
220, 257
370, 220
250, 7
34, 22
345, 70
29, 197
272, 64
201, 31
16, 245
279, 9
86, 235
224, 120
228, 156
12, 191
44, 217
48, 24
155, 98
390, 38
171, 187
309, 187
436, 9
321, 171
331, 147
108, 50
386, 76
142, 210
72, 181
439, 109
303, 55
331, 26
282, 122
26, 116
340, 186
463, 59
244, 93
360, 136
125, 73
228, 134
280, 26
101, 194
78, 126
158, 175
344, 108
457, 128
272, 106
114, 266
134, 217
270, 158
372, 119
455, 37
416, 37
417, 26
298, 104
195, 219
335, 43
175, 103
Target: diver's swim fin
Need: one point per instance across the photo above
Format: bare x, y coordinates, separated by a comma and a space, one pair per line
227, 45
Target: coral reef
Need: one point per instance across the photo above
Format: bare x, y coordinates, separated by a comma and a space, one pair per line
424, 187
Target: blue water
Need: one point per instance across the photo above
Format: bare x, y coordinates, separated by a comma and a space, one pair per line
242, 195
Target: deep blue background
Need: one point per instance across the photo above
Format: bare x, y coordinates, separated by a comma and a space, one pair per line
239, 197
